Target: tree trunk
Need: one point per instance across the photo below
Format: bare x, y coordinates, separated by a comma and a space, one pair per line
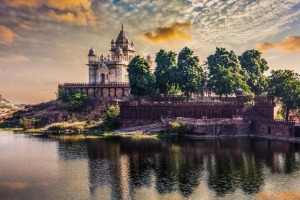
287, 114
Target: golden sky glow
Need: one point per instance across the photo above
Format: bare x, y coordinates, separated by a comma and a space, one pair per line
45, 42
174, 33
290, 44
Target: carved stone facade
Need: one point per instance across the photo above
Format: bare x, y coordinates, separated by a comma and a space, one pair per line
108, 76
113, 68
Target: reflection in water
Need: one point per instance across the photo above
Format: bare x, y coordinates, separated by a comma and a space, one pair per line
126, 164
127, 168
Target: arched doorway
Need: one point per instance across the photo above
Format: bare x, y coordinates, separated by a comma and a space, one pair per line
103, 78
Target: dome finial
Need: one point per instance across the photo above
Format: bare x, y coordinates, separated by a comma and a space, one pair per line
122, 27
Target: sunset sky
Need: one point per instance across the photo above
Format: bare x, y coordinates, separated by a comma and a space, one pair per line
45, 42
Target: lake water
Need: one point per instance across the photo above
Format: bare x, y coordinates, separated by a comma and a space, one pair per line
132, 168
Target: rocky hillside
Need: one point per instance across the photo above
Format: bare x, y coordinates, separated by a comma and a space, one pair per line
44, 114
6, 109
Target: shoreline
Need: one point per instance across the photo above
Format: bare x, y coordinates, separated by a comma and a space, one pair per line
245, 136
140, 132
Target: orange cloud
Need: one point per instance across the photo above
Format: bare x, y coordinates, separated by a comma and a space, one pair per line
284, 195
25, 26
74, 11
6, 35
69, 5
175, 32
14, 58
79, 18
21, 3
290, 44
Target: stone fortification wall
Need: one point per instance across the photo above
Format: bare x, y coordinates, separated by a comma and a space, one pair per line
273, 127
218, 127
134, 110
267, 111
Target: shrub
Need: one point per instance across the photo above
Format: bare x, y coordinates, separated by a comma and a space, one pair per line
75, 99
28, 123
112, 118
177, 128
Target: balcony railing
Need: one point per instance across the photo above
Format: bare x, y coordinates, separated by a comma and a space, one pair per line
118, 84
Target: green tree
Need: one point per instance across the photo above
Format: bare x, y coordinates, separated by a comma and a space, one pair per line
112, 118
165, 63
286, 84
255, 66
142, 81
75, 99
225, 73
190, 75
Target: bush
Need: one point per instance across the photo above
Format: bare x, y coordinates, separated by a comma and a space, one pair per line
28, 123
112, 118
76, 100
177, 128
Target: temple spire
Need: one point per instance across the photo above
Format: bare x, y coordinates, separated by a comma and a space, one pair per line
122, 27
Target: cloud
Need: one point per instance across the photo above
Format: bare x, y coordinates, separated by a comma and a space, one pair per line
25, 26
284, 195
67, 17
13, 185
233, 22
290, 44
21, 3
6, 35
73, 11
14, 58
175, 32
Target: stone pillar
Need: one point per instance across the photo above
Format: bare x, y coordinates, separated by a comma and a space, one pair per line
239, 103
270, 96
239, 96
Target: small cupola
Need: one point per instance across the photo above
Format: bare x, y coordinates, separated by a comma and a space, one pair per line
91, 52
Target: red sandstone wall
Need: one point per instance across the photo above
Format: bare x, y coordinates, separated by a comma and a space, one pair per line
274, 128
267, 111
198, 111
217, 130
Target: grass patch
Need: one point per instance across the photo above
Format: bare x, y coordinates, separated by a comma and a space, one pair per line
34, 130
67, 126
12, 129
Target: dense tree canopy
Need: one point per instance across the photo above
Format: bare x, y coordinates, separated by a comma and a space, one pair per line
75, 99
142, 81
255, 66
190, 75
225, 73
286, 84
165, 64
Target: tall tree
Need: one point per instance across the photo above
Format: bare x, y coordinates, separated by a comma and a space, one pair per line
255, 66
286, 84
142, 81
225, 73
190, 75
165, 63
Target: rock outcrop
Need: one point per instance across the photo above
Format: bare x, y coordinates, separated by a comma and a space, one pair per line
6, 108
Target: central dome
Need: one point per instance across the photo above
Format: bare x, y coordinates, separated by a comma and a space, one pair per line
122, 37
